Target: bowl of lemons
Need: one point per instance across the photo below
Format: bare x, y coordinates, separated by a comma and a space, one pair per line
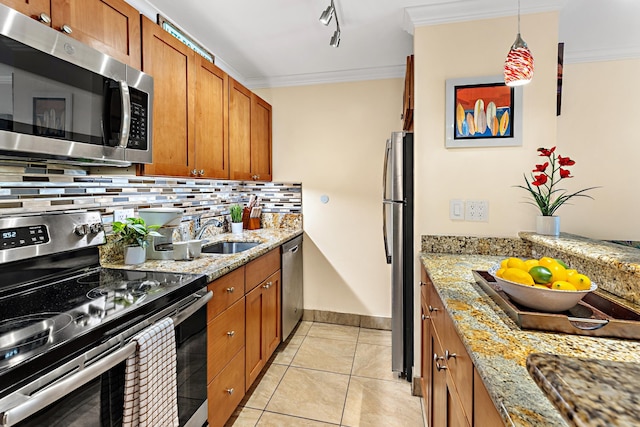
544, 284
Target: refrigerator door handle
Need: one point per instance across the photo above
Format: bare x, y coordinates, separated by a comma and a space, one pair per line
384, 231
385, 170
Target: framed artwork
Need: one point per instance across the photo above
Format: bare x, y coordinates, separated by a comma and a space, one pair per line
482, 112
52, 114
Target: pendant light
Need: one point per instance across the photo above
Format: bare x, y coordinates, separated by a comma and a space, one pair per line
518, 67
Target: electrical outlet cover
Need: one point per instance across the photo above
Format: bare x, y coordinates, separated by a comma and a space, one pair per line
477, 210
122, 214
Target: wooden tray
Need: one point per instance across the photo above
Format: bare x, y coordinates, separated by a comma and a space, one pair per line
596, 315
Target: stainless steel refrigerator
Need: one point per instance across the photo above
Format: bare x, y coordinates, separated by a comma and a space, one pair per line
397, 207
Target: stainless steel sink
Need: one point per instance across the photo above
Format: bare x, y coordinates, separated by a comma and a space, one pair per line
228, 247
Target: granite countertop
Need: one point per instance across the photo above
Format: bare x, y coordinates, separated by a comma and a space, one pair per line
499, 348
217, 265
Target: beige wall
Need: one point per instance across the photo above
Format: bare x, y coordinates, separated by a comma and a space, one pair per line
470, 49
331, 138
599, 105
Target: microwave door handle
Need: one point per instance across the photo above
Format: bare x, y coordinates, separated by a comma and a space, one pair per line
126, 114
49, 395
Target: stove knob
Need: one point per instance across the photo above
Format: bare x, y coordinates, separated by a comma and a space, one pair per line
81, 230
95, 228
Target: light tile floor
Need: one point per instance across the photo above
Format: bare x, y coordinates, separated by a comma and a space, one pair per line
330, 375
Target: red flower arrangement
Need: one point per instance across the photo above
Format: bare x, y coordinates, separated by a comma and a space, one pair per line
543, 189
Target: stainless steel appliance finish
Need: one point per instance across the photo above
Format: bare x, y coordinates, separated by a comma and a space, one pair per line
397, 218
68, 102
292, 285
66, 325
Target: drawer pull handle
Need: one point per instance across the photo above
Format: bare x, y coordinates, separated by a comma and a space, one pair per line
231, 333
230, 390
231, 289
448, 355
432, 309
437, 359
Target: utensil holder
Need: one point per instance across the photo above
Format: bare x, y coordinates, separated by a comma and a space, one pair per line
249, 223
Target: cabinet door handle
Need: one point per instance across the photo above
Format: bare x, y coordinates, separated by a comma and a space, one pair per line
422, 283
432, 309
437, 359
44, 18
66, 29
448, 355
425, 317
268, 285
255, 177
231, 289
230, 390
201, 172
231, 333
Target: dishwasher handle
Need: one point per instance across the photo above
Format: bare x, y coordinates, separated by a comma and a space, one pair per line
294, 249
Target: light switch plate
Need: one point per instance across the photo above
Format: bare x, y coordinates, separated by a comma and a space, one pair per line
456, 209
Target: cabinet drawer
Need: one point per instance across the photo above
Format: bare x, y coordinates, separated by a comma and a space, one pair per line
435, 310
226, 391
261, 268
459, 365
225, 336
425, 284
226, 290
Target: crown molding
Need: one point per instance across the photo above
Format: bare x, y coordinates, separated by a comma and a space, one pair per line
468, 10
378, 73
602, 54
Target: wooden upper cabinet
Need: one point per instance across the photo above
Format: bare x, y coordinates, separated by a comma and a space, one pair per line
212, 143
110, 26
32, 8
260, 139
172, 65
239, 131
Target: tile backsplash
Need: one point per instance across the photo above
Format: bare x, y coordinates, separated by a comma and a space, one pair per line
27, 188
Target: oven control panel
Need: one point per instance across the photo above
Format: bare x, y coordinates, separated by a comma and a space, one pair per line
17, 237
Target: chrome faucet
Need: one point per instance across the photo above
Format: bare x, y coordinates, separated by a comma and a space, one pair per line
202, 228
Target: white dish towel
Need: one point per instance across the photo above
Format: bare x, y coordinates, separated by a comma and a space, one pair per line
150, 395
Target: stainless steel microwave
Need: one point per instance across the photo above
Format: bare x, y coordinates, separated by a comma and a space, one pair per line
61, 100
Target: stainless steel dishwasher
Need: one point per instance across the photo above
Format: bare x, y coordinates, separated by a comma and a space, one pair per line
291, 285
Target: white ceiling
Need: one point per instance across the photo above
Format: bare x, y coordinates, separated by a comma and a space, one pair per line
267, 43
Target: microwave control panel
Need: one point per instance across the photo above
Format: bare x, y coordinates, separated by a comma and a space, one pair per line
139, 120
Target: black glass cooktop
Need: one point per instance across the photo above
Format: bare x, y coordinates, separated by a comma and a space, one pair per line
57, 318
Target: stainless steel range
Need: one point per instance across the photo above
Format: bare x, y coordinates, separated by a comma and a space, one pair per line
65, 322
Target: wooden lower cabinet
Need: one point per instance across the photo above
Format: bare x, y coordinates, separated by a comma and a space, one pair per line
243, 331
226, 391
263, 326
454, 395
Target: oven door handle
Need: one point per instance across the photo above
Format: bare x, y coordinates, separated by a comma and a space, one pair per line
49, 395
202, 300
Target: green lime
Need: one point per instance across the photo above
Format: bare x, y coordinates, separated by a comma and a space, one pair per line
559, 261
540, 274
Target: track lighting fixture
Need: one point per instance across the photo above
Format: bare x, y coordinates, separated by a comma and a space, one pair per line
518, 67
325, 18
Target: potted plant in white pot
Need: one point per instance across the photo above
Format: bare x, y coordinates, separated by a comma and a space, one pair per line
236, 219
133, 234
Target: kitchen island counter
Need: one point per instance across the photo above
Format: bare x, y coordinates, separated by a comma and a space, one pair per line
217, 265
499, 348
